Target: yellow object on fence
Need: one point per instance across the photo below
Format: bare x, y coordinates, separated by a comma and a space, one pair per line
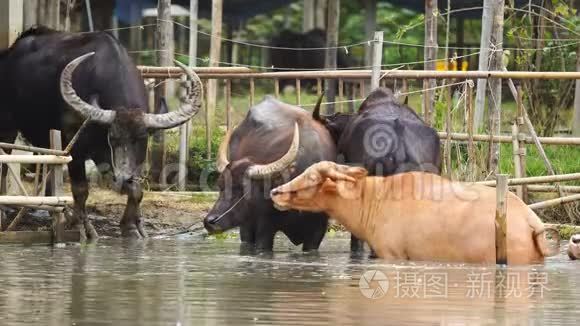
452, 65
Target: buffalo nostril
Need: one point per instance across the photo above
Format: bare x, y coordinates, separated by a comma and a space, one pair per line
576, 240
211, 219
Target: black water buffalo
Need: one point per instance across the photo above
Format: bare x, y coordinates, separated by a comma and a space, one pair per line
284, 58
385, 137
275, 142
37, 75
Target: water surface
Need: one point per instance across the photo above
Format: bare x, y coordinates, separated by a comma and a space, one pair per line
197, 281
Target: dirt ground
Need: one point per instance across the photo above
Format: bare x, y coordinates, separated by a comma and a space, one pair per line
164, 213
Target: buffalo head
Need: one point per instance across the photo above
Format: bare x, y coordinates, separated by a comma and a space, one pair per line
334, 123
239, 185
128, 128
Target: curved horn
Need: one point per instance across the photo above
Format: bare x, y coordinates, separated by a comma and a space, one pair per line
222, 155
316, 111
85, 109
264, 170
191, 105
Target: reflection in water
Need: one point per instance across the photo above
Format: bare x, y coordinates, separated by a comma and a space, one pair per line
192, 281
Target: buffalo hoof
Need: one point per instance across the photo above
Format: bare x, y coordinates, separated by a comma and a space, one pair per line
91, 233
131, 233
141, 228
87, 232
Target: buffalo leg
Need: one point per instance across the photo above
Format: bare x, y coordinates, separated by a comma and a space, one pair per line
132, 221
356, 244
265, 232
80, 190
248, 233
7, 137
318, 226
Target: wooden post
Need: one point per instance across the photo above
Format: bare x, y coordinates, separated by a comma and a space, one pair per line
193, 10
341, 94
10, 21
183, 155
53, 12
277, 88
333, 20
430, 54
447, 148
484, 51
470, 126
500, 219
576, 118
164, 34
516, 155
252, 91
214, 58
377, 60
308, 15
494, 100
185, 129
228, 97
521, 140
320, 13
318, 87
56, 184
298, 101
370, 27
30, 11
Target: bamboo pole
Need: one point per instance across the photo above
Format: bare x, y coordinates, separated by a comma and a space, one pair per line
429, 55
298, 101
508, 139
484, 52
535, 180
447, 148
36, 201
521, 141
532, 131
35, 159
330, 58
495, 64
214, 58
183, 152
17, 219
516, 156
471, 160
318, 87
394, 74
228, 96
33, 149
341, 94
277, 88
57, 170
377, 60
14, 175
500, 220
176, 72
363, 93
555, 202
544, 188
252, 91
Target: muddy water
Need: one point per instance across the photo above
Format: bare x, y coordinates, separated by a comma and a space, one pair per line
193, 281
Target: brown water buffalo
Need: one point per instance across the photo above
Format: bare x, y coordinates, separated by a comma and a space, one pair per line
574, 247
274, 143
416, 215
